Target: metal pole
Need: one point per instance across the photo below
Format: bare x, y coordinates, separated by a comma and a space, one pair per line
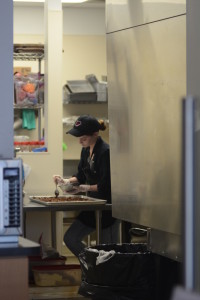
53, 229
189, 193
98, 226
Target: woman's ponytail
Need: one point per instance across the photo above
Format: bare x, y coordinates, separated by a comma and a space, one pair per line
102, 125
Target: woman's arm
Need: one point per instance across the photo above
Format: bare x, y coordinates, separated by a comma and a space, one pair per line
93, 188
73, 179
83, 188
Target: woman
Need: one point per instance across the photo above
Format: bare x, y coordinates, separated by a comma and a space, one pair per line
93, 177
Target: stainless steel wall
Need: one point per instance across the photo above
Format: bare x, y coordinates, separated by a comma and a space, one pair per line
122, 14
146, 50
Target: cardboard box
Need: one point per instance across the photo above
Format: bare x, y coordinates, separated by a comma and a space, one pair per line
23, 70
38, 261
63, 275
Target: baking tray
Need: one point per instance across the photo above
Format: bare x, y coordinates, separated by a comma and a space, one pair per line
80, 86
84, 200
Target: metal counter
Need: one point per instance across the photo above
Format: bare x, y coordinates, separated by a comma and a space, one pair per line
31, 206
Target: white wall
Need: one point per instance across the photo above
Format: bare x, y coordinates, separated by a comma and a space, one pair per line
28, 20
84, 21
76, 21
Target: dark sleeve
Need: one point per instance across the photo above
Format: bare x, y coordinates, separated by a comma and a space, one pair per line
104, 184
80, 174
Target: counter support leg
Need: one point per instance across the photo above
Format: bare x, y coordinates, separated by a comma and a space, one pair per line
53, 229
24, 224
98, 226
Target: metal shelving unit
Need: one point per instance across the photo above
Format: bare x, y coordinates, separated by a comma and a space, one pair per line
32, 52
85, 102
37, 107
26, 52
29, 57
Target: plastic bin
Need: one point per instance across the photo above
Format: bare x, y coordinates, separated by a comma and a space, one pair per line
38, 261
113, 271
60, 275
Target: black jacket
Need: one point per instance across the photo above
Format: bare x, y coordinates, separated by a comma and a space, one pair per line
96, 171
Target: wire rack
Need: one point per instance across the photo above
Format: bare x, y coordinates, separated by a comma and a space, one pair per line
28, 56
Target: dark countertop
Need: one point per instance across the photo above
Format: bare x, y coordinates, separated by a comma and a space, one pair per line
24, 247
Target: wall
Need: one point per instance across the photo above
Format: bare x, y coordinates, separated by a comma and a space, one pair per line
76, 21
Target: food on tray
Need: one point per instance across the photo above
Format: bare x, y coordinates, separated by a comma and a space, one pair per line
70, 200
60, 199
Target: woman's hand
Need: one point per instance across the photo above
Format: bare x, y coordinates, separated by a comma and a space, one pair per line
60, 180
83, 188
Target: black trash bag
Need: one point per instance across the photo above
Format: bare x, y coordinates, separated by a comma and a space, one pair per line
97, 292
122, 272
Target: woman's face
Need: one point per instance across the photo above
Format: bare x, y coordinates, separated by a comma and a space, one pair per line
87, 140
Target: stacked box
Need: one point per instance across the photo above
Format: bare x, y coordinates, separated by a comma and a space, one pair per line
60, 275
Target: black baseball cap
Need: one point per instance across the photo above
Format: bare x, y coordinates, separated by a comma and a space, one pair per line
85, 125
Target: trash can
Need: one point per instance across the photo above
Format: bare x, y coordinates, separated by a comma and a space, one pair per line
118, 272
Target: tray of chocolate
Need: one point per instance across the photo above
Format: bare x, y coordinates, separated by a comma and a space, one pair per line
66, 200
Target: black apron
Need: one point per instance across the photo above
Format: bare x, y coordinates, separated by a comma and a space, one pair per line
88, 217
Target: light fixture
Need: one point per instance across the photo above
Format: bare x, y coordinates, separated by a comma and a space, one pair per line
73, 1
41, 1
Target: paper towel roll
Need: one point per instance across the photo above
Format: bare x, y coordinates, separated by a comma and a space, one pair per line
17, 124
